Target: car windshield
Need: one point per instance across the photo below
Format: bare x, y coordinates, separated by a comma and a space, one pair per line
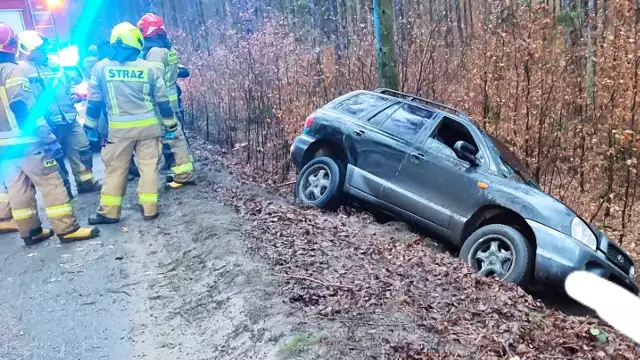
510, 163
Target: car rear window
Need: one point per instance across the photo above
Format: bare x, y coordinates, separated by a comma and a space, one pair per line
361, 104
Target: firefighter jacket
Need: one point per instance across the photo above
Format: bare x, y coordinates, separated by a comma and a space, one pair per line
131, 91
19, 132
54, 87
166, 62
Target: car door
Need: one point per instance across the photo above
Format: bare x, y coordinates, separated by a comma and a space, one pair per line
391, 136
433, 183
376, 157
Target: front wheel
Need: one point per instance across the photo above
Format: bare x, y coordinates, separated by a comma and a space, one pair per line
319, 184
500, 251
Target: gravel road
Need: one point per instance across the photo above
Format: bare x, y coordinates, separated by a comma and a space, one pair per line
181, 286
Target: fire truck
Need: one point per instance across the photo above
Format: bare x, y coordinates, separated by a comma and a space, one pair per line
48, 17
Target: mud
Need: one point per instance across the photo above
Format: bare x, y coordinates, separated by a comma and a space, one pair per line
182, 286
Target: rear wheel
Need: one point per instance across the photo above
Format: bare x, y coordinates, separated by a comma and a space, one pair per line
500, 251
319, 184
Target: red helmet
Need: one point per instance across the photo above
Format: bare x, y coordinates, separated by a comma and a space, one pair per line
151, 25
8, 39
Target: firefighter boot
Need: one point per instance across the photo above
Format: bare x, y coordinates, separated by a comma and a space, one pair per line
88, 187
39, 235
8, 226
83, 233
147, 217
97, 219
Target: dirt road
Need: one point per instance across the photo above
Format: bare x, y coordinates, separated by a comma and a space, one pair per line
178, 287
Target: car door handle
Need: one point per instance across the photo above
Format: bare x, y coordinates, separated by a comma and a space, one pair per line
418, 156
359, 133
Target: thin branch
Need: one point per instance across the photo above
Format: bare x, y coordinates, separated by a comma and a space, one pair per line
315, 281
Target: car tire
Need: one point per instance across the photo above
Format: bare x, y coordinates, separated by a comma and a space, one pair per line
325, 177
484, 257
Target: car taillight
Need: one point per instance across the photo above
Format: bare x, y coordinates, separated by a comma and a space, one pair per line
308, 122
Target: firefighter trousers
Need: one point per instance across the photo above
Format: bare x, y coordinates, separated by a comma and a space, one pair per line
117, 157
5, 209
75, 145
20, 175
182, 168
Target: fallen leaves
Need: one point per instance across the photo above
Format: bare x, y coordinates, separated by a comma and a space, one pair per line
336, 264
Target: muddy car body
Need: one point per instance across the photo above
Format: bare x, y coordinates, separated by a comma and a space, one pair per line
428, 164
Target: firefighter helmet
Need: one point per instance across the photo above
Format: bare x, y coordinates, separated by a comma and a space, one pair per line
8, 39
127, 34
151, 25
29, 40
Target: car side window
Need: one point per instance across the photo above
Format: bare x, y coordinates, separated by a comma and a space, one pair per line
383, 115
449, 132
407, 122
360, 104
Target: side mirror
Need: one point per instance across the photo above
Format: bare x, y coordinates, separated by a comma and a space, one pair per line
465, 151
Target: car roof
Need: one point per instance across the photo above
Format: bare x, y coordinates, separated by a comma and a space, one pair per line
414, 100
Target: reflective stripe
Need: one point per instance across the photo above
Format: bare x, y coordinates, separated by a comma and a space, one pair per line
23, 214
19, 140
173, 97
148, 198
110, 200
86, 177
9, 134
133, 124
147, 99
16, 81
7, 110
112, 97
4, 197
41, 122
169, 123
127, 118
172, 57
183, 169
91, 123
59, 210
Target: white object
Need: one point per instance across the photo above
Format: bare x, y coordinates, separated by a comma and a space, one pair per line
614, 304
29, 40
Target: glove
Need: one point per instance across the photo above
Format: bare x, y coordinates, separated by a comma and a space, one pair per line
92, 134
53, 150
169, 135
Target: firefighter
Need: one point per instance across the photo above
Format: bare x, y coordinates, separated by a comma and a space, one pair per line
183, 73
27, 156
159, 51
90, 60
62, 113
132, 90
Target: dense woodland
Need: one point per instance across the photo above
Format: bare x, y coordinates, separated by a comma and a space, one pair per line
557, 80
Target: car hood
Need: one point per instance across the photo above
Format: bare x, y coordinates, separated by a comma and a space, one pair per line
534, 204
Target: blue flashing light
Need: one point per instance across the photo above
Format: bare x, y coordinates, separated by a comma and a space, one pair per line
45, 99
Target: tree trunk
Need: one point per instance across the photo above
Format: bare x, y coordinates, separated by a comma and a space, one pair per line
383, 19
591, 52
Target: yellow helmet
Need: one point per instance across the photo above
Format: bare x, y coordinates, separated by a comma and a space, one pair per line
127, 34
29, 40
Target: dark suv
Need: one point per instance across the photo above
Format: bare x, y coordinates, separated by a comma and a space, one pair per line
428, 164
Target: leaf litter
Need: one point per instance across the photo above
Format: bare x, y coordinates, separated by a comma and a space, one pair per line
345, 266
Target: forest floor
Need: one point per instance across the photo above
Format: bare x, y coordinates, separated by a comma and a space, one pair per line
233, 270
